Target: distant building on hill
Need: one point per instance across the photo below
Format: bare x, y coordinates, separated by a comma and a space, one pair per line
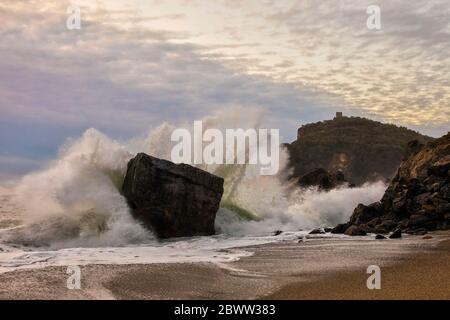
363, 149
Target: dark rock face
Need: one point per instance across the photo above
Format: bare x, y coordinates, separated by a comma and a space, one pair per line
340, 228
322, 178
317, 231
396, 234
412, 148
172, 200
418, 198
363, 214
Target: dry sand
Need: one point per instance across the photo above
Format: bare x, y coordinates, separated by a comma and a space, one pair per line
412, 268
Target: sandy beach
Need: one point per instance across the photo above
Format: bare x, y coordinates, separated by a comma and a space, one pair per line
421, 276
412, 268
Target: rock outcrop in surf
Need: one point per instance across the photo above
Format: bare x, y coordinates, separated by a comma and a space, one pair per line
417, 199
322, 179
172, 200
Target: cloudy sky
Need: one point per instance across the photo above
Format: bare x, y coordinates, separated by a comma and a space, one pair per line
134, 64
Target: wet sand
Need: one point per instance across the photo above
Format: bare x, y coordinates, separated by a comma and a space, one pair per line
412, 268
424, 276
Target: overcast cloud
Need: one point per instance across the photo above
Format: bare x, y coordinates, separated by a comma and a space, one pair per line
135, 65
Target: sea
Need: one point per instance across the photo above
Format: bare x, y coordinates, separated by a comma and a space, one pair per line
71, 211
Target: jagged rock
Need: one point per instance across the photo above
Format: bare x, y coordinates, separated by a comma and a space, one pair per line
327, 230
317, 231
355, 231
340, 228
380, 237
388, 224
417, 197
412, 148
373, 223
422, 220
173, 200
380, 229
445, 191
396, 234
385, 226
277, 232
441, 167
363, 214
443, 208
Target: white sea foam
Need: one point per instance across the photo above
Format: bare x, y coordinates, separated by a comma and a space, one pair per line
72, 210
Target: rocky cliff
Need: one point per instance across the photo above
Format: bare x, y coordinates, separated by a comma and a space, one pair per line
417, 199
364, 150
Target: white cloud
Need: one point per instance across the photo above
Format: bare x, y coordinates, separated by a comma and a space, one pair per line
138, 63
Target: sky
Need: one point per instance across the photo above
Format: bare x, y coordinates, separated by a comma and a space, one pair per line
135, 64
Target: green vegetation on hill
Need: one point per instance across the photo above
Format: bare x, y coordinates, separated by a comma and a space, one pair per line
365, 150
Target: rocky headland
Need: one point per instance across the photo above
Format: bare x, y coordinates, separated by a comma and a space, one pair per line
417, 199
362, 149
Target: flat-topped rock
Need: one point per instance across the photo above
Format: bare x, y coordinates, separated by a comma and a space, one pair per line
173, 200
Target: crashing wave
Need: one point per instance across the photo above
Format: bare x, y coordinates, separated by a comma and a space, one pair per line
76, 200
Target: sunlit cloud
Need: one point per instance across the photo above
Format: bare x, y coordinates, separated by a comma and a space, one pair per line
134, 64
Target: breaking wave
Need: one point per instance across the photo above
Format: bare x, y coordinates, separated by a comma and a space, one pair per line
76, 201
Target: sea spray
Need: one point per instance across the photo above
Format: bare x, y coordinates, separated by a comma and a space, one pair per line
76, 201
293, 210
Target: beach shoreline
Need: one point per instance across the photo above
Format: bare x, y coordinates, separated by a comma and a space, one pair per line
411, 268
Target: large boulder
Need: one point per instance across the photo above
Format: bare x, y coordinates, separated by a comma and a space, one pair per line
418, 197
172, 200
364, 214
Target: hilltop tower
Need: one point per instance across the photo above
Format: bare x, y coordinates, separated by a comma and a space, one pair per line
338, 115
